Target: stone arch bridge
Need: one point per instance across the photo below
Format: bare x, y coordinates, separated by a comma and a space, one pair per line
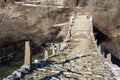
78, 57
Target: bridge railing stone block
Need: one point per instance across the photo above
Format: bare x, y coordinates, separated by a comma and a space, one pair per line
46, 54
28, 56
53, 49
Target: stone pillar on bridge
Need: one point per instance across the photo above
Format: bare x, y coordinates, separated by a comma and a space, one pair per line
69, 34
58, 48
99, 47
46, 54
53, 49
109, 57
28, 56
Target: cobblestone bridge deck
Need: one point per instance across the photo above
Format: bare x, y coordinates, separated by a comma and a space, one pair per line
80, 60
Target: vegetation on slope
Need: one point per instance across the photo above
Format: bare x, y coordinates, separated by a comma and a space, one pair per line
20, 23
107, 19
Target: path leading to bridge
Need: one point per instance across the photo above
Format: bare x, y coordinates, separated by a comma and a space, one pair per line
81, 60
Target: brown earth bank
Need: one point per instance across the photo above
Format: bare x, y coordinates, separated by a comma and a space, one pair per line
19, 24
